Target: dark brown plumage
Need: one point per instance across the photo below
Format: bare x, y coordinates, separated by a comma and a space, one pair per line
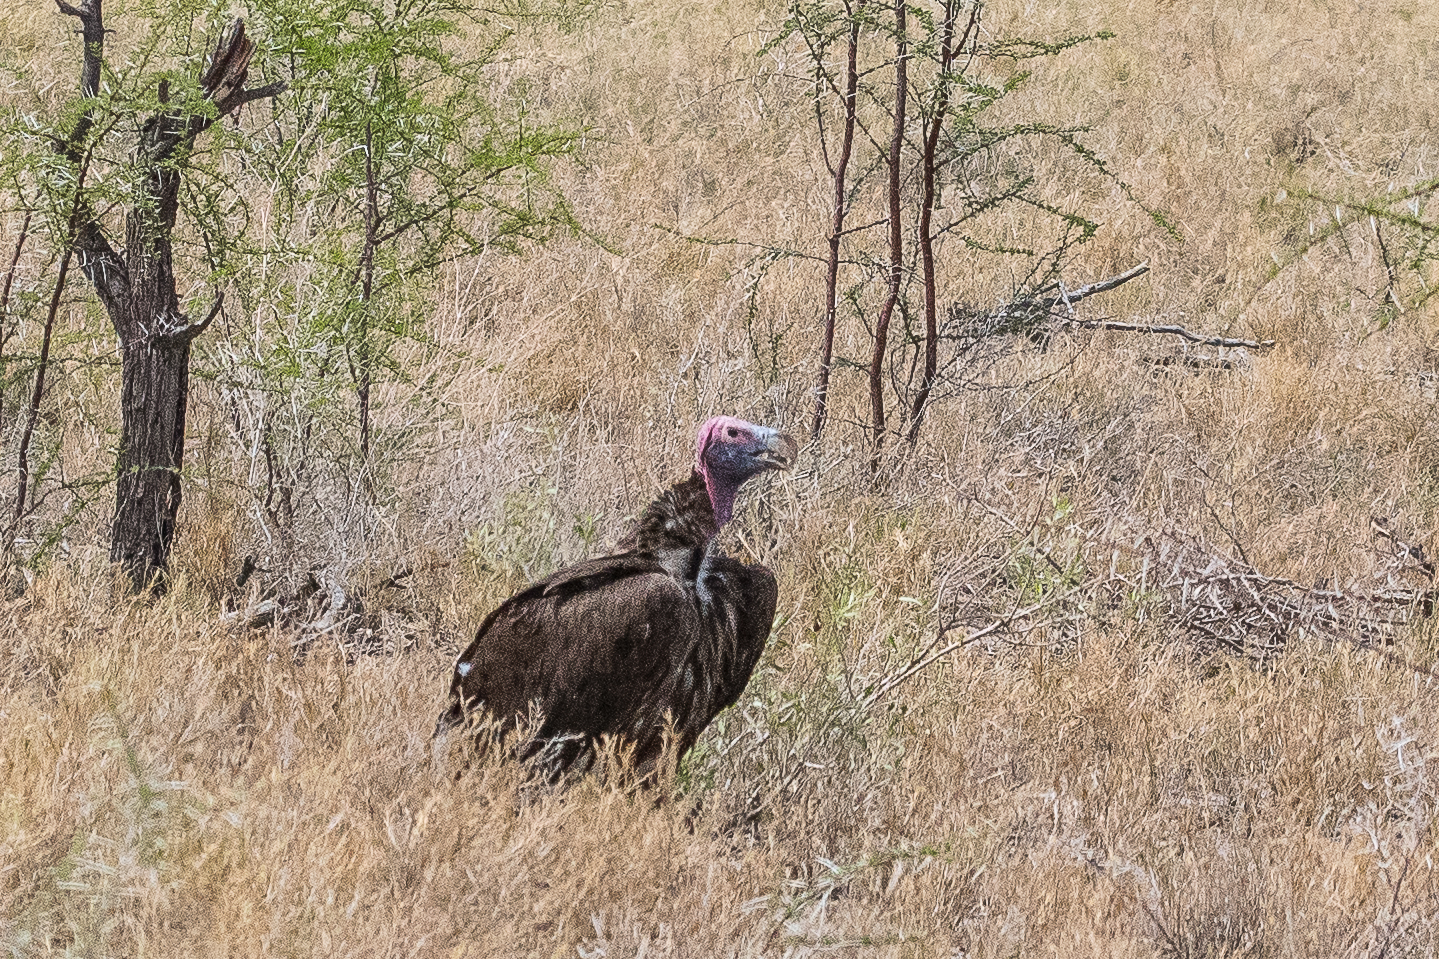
661, 635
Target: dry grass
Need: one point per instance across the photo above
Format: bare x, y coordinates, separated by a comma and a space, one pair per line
1081, 784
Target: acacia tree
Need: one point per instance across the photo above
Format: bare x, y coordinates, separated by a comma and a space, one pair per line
903, 94
386, 162
413, 167
136, 280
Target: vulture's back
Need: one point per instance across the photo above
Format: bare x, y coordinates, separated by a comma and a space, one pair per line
622, 646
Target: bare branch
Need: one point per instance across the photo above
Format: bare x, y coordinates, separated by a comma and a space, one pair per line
896, 239
10, 276
37, 396
92, 29
1038, 307
259, 614
1070, 297
189, 331
97, 258
1172, 331
1025, 315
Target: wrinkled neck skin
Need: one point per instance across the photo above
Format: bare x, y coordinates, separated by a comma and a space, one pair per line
722, 491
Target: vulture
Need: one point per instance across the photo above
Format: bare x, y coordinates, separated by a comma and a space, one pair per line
639, 646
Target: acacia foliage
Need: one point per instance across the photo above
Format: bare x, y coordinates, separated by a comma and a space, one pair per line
323, 214
394, 161
921, 123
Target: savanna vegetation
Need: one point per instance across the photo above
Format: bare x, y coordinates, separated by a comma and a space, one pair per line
1090, 641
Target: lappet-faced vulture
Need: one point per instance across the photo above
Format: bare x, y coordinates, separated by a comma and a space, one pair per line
657, 637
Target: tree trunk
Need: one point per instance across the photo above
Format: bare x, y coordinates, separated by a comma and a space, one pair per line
155, 383
838, 172
877, 424
137, 287
929, 170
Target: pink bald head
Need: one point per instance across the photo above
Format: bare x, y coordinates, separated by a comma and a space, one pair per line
730, 450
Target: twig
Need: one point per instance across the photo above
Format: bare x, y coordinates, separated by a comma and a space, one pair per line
22, 485
878, 353
1232, 605
1033, 306
923, 661
262, 613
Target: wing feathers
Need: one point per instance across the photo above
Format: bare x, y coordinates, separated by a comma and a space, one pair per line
620, 646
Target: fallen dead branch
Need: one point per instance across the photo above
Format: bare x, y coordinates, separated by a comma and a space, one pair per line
378, 617
1036, 317
1031, 316
1224, 603
1171, 330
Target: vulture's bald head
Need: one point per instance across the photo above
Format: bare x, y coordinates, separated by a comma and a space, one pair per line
730, 450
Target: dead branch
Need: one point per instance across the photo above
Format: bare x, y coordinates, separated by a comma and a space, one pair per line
255, 615
1217, 602
1172, 331
1031, 315
1067, 298
1224, 603
838, 172
1027, 314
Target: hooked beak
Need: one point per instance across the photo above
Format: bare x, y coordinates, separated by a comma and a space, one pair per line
779, 451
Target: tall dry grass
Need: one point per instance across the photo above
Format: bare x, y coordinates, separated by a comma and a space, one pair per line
1083, 784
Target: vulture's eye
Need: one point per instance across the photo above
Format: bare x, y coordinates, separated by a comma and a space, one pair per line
733, 432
